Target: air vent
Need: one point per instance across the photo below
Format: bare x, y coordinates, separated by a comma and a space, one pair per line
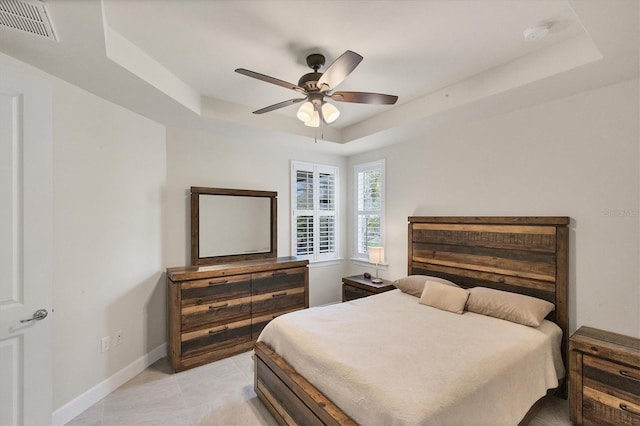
28, 16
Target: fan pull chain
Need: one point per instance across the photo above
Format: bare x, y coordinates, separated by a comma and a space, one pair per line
315, 134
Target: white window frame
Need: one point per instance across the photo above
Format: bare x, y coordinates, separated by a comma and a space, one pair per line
357, 169
316, 169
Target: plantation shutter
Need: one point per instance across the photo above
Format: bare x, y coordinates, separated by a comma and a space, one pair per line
326, 213
370, 207
314, 213
303, 213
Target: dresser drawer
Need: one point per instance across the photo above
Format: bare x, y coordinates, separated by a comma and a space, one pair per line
215, 313
258, 323
277, 302
209, 291
276, 293
208, 339
278, 280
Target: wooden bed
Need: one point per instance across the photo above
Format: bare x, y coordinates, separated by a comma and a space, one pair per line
526, 255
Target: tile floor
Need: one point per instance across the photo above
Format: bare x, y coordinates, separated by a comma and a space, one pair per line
220, 393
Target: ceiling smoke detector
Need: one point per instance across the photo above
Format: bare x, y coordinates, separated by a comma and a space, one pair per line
536, 33
29, 16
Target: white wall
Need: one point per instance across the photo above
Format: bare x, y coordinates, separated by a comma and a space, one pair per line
574, 157
109, 181
245, 160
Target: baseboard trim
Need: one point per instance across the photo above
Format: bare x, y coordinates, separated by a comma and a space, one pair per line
80, 403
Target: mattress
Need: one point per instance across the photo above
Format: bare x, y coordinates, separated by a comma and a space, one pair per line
387, 359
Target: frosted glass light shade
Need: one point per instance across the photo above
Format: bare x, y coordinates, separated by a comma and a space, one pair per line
376, 255
330, 112
314, 121
305, 112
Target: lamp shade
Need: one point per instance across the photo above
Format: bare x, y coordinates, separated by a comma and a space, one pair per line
330, 112
305, 112
376, 255
314, 121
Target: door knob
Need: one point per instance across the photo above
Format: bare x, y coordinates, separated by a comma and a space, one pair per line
37, 315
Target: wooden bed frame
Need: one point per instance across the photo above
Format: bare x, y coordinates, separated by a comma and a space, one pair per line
526, 255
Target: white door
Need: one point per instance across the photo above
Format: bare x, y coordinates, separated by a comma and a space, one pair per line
26, 239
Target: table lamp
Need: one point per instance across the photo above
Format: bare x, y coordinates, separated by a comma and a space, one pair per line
376, 255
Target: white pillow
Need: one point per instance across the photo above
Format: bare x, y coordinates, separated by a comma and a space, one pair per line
414, 284
444, 296
508, 306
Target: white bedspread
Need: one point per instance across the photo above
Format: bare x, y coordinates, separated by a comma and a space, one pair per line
388, 360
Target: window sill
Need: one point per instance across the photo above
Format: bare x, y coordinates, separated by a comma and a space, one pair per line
325, 262
364, 262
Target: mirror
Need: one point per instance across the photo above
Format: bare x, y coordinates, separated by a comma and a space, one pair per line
232, 224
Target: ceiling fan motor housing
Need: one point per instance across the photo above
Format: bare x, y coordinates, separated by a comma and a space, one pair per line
315, 61
308, 81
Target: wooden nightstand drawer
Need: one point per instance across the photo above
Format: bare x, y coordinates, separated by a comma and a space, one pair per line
350, 292
616, 379
600, 408
357, 286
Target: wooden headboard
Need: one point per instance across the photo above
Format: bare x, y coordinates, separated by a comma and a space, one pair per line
526, 255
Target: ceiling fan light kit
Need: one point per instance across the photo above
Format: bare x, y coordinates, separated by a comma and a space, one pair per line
310, 116
316, 86
305, 112
330, 112
314, 121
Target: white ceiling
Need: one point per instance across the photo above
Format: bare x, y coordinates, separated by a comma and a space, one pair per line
174, 61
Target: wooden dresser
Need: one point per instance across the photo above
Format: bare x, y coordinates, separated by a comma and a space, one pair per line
604, 378
219, 310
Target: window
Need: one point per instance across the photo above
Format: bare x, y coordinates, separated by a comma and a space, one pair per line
314, 195
369, 207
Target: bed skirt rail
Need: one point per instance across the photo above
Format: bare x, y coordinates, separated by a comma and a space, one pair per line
288, 396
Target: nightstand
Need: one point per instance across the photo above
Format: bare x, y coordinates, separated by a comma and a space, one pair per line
604, 378
357, 286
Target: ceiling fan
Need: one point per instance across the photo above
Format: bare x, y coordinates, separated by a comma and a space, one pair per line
316, 86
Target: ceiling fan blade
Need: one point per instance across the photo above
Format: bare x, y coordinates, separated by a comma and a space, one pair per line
339, 70
364, 98
279, 105
271, 80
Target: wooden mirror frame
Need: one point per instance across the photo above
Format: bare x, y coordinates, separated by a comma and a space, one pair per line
196, 191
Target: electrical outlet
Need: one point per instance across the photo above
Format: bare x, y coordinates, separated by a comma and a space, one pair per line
104, 342
118, 339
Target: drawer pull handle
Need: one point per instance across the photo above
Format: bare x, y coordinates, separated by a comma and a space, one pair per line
218, 282
284, 293
628, 375
211, 332
278, 274
219, 306
625, 407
